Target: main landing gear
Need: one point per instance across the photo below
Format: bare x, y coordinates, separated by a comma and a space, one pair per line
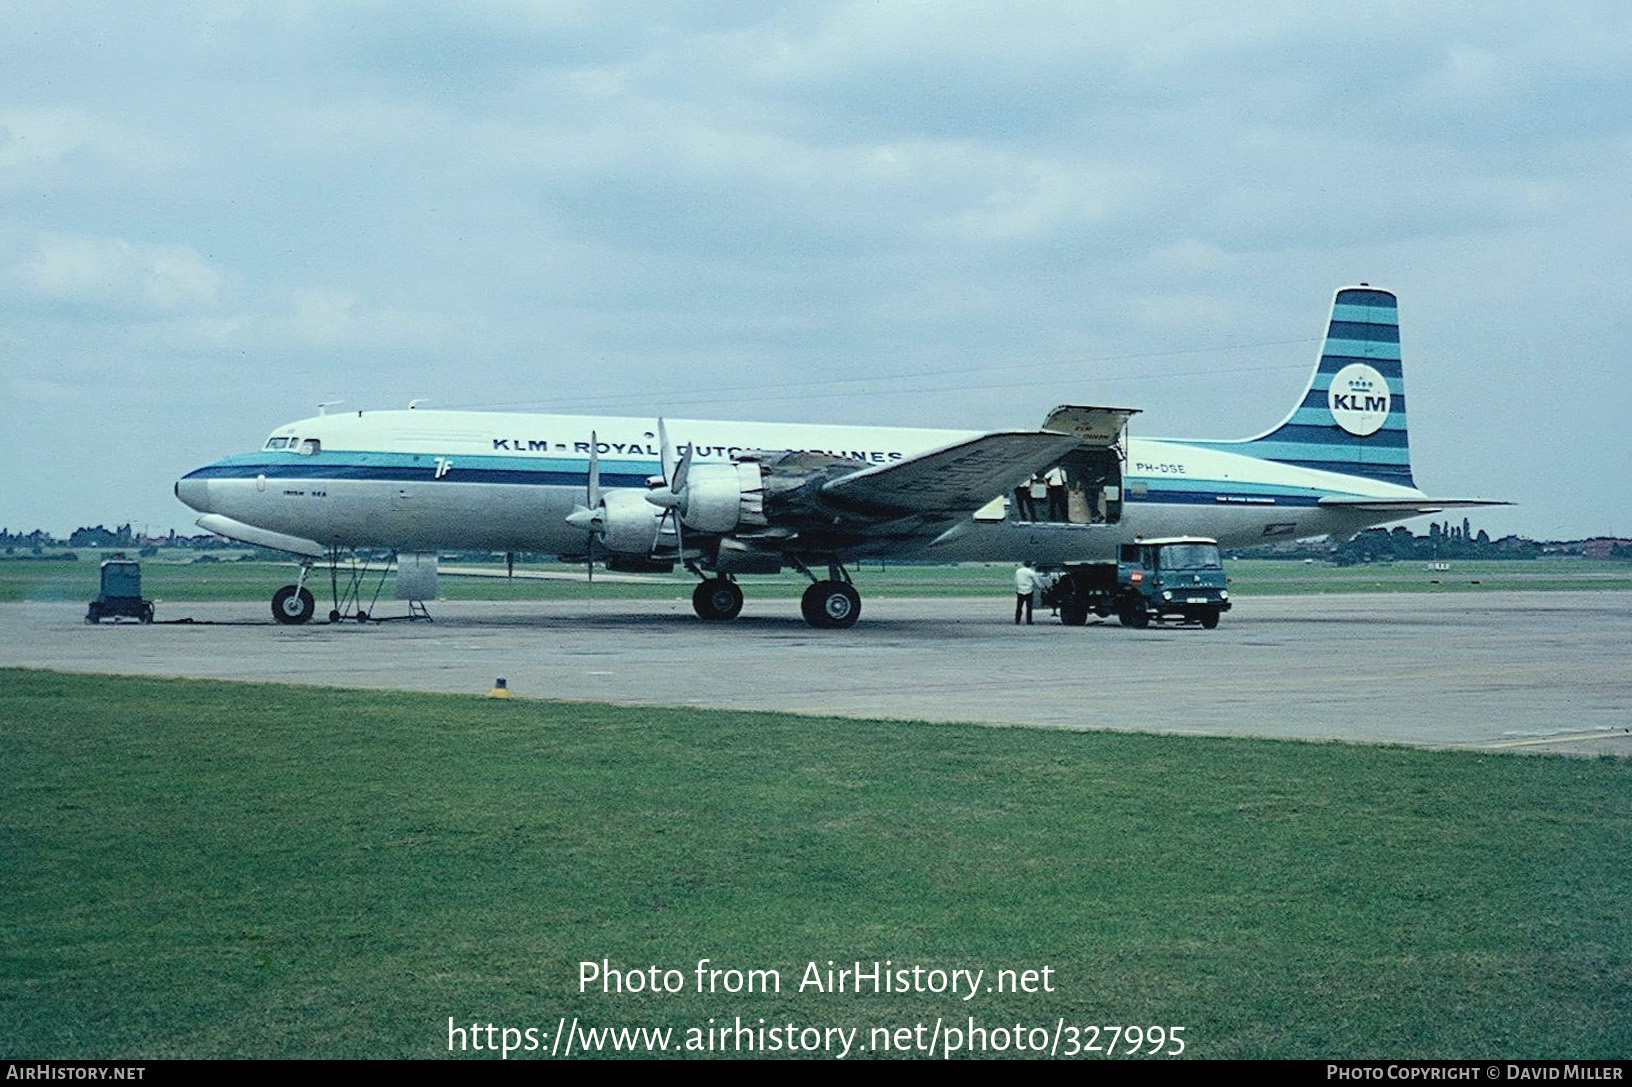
828, 604
717, 599
831, 605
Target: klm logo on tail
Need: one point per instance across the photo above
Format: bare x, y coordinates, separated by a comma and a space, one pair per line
1359, 399
1352, 417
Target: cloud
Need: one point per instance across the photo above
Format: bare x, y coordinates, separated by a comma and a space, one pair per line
1183, 310
30, 390
56, 143
117, 272
328, 318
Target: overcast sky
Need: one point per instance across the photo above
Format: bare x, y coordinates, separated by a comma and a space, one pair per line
215, 215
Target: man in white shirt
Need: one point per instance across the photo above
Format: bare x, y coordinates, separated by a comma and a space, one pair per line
1025, 587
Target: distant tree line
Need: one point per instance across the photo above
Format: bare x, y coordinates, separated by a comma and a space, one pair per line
101, 537
1444, 541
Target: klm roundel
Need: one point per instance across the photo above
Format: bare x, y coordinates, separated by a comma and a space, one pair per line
1359, 399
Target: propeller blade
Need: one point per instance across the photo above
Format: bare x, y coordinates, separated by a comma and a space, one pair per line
594, 495
665, 450
678, 480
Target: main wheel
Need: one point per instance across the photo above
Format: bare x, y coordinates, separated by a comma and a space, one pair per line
717, 600
831, 605
292, 605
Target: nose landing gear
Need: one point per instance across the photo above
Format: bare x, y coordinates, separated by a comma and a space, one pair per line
293, 604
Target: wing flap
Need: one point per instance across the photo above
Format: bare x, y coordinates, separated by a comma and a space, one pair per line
955, 480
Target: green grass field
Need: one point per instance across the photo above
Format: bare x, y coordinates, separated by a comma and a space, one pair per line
225, 870
167, 581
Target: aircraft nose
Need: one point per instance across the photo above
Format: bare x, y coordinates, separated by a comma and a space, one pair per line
194, 492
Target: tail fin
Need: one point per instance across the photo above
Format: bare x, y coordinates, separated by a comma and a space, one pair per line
1352, 417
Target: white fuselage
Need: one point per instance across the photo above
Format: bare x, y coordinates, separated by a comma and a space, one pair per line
444, 480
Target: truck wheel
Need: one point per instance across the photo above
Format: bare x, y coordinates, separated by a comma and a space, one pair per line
1138, 617
1208, 618
1073, 614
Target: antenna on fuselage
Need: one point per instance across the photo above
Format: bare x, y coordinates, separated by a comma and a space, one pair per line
323, 408
412, 404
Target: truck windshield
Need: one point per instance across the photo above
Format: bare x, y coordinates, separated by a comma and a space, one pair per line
1196, 556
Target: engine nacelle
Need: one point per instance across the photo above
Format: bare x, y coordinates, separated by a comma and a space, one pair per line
628, 522
717, 498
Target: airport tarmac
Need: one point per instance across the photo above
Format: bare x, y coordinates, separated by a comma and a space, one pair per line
1513, 671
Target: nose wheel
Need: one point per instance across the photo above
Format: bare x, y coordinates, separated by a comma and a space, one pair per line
293, 605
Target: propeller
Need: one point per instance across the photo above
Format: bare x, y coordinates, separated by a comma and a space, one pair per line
594, 517
674, 472
668, 499
590, 517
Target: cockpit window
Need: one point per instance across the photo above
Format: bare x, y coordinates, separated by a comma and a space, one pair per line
278, 443
309, 447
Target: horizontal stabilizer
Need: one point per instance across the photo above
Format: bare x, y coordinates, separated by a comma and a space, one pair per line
958, 479
1409, 505
260, 537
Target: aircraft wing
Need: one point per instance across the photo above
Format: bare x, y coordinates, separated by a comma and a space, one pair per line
1406, 506
955, 480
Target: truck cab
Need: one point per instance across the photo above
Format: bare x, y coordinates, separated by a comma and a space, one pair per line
1177, 577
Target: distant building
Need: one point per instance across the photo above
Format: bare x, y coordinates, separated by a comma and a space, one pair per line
1602, 547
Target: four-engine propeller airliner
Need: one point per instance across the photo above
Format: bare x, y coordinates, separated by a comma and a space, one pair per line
725, 499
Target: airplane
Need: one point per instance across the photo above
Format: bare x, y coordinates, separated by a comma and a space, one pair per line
728, 498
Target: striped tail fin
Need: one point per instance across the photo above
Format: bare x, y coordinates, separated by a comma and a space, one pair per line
1352, 417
